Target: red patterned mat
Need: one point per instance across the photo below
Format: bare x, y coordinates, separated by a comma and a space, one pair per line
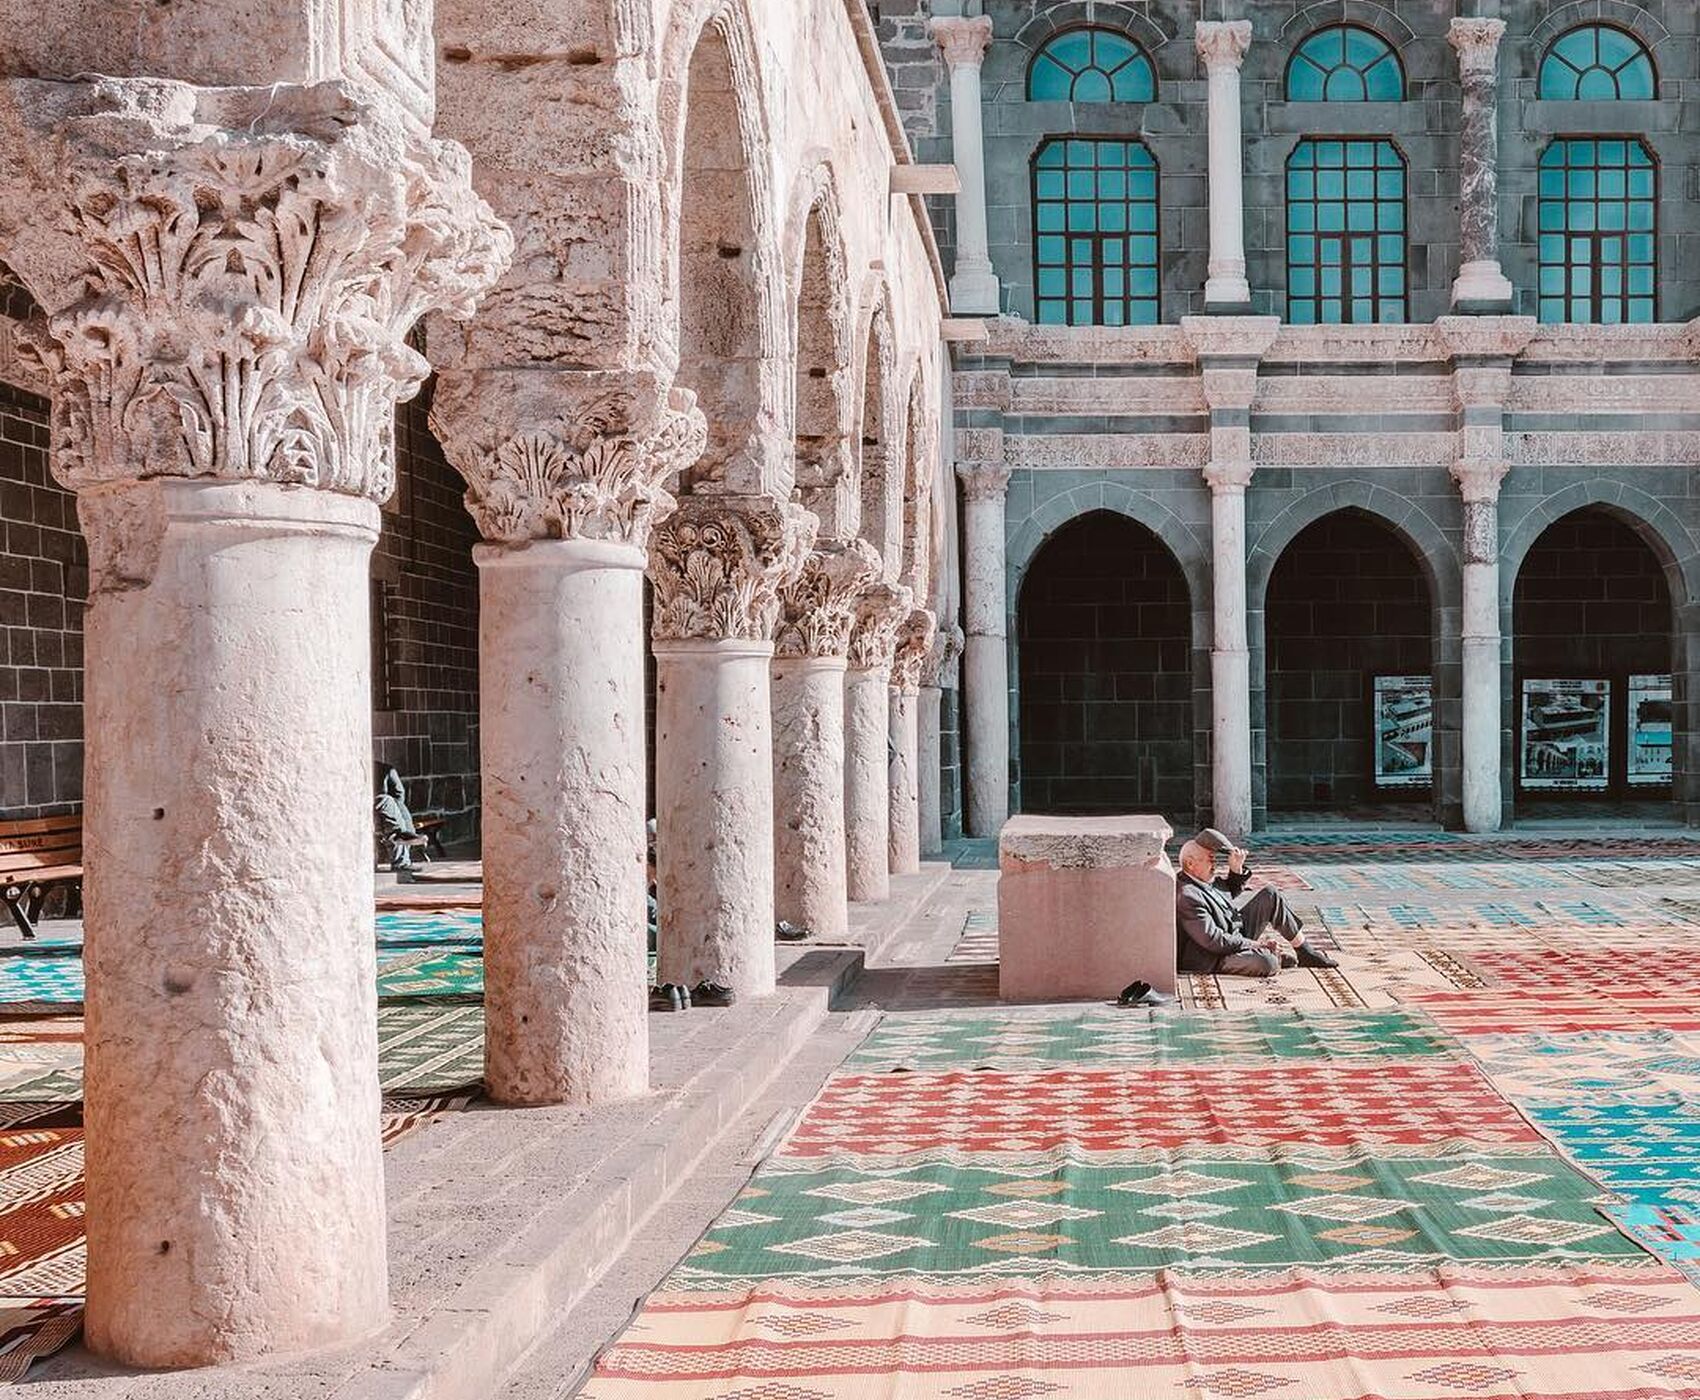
1601, 1007
1573, 970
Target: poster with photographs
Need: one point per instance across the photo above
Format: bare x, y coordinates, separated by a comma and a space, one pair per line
1404, 731
1566, 734
1649, 731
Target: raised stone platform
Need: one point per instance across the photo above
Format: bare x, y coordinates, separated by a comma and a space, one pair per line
1086, 905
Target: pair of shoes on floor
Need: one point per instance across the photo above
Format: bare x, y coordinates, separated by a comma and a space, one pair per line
1141, 994
671, 996
1312, 957
786, 932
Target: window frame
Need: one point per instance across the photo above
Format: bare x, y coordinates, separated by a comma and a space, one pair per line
1346, 201
1156, 266
1298, 53
1654, 200
1087, 27
1628, 33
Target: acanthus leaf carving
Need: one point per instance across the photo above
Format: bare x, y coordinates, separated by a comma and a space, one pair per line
818, 608
880, 611
914, 644
718, 563
233, 300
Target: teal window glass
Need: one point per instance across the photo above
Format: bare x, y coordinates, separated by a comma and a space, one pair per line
1344, 63
1095, 221
1345, 233
1091, 65
1598, 63
1597, 231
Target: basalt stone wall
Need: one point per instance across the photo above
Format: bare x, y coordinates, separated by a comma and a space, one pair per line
1347, 602
43, 585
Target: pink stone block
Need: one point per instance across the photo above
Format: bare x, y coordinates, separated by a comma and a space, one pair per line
1085, 906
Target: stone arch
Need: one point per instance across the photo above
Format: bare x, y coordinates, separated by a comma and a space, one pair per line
880, 423
1136, 23
723, 282
823, 340
1671, 541
1633, 19
1367, 14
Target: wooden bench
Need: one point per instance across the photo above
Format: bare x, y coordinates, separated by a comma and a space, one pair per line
37, 857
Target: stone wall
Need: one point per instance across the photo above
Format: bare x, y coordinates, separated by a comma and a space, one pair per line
43, 583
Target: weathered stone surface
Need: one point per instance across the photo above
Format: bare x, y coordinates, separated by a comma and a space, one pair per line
818, 608
719, 562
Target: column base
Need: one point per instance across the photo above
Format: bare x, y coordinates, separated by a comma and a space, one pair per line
1227, 294
1481, 289
976, 293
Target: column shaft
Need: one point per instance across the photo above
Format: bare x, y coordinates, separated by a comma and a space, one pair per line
1481, 285
808, 793
1482, 798
929, 770
867, 793
904, 836
1230, 669
985, 662
1222, 46
561, 723
235, 1184
974, 287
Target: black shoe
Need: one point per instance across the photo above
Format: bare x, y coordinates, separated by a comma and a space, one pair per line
669, 997
1141, 994
1309, 957
712, 994
789, 933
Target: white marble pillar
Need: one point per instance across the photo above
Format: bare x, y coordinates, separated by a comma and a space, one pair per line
717, 565
1222, 45
915, 640
1230, 659
1479, 481
817, 612
929, 746
985, 657
1481, 285
881, 610
226, 423
974, 285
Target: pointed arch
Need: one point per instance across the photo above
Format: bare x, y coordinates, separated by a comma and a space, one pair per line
880, 430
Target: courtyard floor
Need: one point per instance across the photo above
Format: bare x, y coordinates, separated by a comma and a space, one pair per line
1466, 1164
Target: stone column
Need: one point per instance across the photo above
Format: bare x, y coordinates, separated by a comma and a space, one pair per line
947, 646
226, 317
914, 642
867, 741
718, 564
985, 658
1481, 285
565, 501
974, 285
1228, 351
1222, 46
817, 612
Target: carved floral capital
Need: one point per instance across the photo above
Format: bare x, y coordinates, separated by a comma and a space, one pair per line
964, 41
1478, 478
1477, 43
817, 609
1223, 43
880, 612
983, 481
230, 275
1229, 476
718, 563
914, 644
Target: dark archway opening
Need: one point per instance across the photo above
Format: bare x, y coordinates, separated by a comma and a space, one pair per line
1348, 627
1591, 710
1104, 632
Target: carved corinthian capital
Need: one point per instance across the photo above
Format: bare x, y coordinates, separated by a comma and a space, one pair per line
914, 644
719, 562
230, 275
818, 608
1222, 43
880, 611
598, 473
947, 646
1477, 42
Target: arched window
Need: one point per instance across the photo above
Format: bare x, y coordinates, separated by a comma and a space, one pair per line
1095, 233
1091, 65
1599, 199
1344, 63
1345, 232
1598, 63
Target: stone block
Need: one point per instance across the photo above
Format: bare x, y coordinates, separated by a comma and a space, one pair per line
1085, 906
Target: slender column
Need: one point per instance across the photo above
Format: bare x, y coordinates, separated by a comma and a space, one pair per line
817, 612
947, 646
565, 502
867, 706
974, 285
226, 423
1481, 284
985, 659
718, 564
1222, 45
914, 641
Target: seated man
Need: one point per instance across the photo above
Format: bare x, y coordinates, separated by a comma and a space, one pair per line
1216, 935
394, 821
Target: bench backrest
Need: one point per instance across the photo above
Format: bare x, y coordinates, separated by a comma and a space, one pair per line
40, 843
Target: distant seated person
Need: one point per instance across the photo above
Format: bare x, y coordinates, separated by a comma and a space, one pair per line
394, 821
1215, 934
